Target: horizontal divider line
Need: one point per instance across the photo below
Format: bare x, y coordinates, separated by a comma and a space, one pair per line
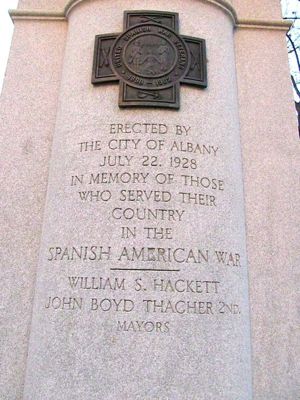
145, 269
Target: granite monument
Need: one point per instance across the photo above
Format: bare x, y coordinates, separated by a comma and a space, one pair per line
150, 245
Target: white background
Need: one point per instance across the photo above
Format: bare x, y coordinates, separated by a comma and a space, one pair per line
6, 29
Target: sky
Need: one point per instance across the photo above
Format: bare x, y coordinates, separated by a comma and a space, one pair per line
6, 29
290, 8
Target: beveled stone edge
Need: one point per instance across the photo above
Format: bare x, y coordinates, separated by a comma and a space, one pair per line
37, 15
227, 7
18, 14
59, 15
264, 24
224, 4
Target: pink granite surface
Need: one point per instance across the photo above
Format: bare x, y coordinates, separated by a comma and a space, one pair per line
270, 149
270, 146
28, 113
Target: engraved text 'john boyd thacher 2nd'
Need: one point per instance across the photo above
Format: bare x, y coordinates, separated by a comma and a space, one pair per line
150, 60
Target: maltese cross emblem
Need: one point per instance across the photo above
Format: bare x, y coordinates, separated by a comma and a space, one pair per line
150, 60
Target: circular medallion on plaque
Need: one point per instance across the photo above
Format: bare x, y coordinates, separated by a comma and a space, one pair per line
149, 56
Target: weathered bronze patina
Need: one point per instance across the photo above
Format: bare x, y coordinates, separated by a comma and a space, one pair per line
150, 60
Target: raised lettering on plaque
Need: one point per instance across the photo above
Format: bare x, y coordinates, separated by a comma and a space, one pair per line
150, 60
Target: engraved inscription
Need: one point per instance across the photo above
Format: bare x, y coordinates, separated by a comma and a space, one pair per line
147, 180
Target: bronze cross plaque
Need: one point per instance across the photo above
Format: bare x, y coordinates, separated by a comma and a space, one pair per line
150, 59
